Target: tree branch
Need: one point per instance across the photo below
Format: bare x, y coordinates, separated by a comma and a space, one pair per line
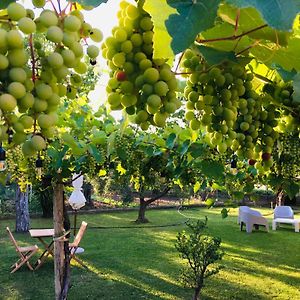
164, 192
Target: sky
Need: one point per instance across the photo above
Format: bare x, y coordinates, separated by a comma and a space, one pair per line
103, 17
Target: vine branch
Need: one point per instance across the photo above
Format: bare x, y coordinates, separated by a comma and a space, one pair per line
232, 37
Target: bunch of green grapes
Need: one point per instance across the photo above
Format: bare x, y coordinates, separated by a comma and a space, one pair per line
281, 94
143, 86
287, 152
123, 145
41, 60
221, 100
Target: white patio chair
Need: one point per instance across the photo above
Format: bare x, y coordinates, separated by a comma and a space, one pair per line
250, 218
283, 212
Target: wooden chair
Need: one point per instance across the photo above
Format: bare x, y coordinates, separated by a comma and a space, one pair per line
25, 254
74, 246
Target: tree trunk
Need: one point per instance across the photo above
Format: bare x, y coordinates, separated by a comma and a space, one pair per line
59, 254
142, 211
197, 294
22, 210
279, 197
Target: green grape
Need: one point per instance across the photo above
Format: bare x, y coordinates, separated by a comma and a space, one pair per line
27, 25
81, 68
154, 100
16, 11
148, 37
132, 12
27, 101
38, 143
126, 47
151, 75
45, 121
16, 89
17, 74
40, 105
128, 100
17, 57
48, 18
7, 102
27, 121
55, 34
27, 149
96, 35
136, 39
72, 23
146, 23
92, 51
161, 88
3, 62
160, 119
55, 60
43, 91
19, 138
39, 3
14, 39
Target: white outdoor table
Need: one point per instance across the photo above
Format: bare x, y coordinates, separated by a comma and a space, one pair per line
294, 222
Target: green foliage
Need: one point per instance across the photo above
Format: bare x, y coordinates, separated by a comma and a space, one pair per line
93, 3
193, 17
215, 57
279, 14
4, 3
201, 252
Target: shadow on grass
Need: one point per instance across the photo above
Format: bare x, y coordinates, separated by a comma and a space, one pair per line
130, 264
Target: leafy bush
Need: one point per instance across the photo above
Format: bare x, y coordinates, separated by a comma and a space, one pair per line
200, 251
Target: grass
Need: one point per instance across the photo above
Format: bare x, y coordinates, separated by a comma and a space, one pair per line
142, 263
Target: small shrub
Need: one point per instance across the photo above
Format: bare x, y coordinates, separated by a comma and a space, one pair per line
201, 252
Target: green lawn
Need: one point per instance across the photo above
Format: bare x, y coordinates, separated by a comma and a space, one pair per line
142, 263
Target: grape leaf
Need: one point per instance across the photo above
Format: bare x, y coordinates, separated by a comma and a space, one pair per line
159, 11
192, 18
4, 3
93, 3
209, 202
279, 14
250, 18
211, 169
215, 57
170, 142
224, 213
225, 30
285, 75
286, 57
95, 153
296, 86
177, 23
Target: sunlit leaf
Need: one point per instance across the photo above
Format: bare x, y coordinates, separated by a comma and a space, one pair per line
249, 19
197, 186
160, 11
120, 169
177, 23
102, 173
210, 202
